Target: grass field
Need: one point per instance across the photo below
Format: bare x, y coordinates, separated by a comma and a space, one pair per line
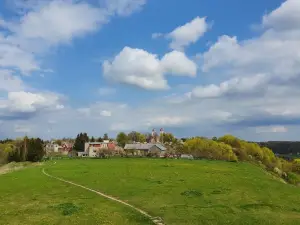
179, 191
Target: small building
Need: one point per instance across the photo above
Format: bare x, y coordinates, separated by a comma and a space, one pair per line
145, 149
63, 149
93, 148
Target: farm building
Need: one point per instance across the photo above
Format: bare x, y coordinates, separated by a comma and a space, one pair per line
93, 148
145, 149
63, 149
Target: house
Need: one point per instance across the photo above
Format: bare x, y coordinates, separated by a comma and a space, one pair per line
145, 149
92, 148
63, 149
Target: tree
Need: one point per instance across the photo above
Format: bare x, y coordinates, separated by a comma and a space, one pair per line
133, 136
208, 149
99, 139
92, 139
122, 139
105, 136
80, 140
35, 150
142, 138
59, 142
6, 149
167, 138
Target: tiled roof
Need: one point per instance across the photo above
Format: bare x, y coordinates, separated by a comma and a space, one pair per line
143, 146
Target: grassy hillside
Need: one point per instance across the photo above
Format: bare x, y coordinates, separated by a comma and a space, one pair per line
179, 191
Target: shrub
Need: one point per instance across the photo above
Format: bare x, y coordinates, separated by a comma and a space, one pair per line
293, 178
296, 166
209, 149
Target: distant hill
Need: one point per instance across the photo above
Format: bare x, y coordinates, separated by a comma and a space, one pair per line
282, 147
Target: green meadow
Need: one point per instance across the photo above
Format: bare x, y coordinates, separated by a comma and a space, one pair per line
178, 191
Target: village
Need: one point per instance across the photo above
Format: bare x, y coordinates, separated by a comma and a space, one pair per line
154, 147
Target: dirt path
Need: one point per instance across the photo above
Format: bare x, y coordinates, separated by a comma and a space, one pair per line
155, 220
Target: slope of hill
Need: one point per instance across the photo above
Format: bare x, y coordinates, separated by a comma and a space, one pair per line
179, 191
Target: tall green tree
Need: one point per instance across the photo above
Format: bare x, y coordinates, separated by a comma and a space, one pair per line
80, 140
35, 150
122, 139
92, 139
142, 138
99, 139
105, 136
167, 138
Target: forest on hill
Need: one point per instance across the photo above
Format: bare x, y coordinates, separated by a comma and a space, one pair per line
282, 147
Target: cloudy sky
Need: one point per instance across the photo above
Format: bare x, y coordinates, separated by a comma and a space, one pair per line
193, 67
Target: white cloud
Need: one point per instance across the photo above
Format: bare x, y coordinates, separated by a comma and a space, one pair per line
59, 21
235, 86
157, 35
45, 24
168, 121
287, 16
105, 113
123, 7
177, 63
272, 129
104, 91
9, 82
136, 67
9, 52
143, 69
27, 102
188, 34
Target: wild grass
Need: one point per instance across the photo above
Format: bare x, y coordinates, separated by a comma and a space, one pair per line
179, 191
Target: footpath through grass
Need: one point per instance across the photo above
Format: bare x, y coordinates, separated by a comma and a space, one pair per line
28, 197
179, 191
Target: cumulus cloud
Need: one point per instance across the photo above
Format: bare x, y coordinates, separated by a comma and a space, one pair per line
286, 17
45, 24
272, 129
188, 33
10, 82
238, 86
137, 67
31, 102
59, 22
143, 69
123, 7
177, 63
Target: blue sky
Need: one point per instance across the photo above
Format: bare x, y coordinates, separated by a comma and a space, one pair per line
193, 67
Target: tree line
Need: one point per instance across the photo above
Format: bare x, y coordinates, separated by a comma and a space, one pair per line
282, 147
21, 150
230, 148
134, 136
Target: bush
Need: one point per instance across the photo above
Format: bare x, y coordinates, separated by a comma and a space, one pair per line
296, 166
209, 149
293, 178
